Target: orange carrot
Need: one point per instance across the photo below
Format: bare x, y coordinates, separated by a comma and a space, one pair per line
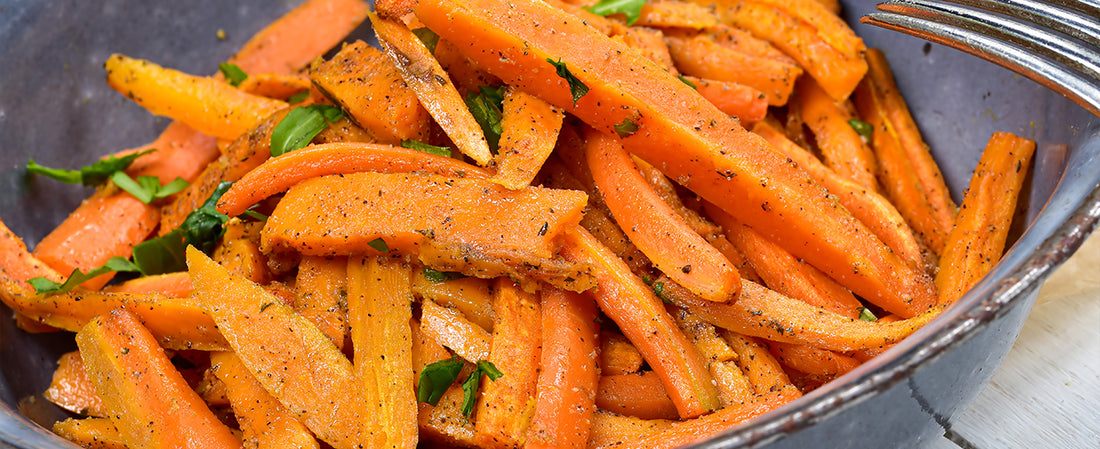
748, 104
610, 430
700, 55
263, 420
661, 233
72, 390
90, 433
471, 296
176, 285
294, 40
681, 134
649, 42
840, 144
276, 86
978, 239
733, 386
568, 374
529, 129
760, 368
321, 285
146, 398
639, 394
811, 360
451, 329
433, 87
644, 320
18, 264
243, 256
676, 14
181, 152
618, 355
831, 28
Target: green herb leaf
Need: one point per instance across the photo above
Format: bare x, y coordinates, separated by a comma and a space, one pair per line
441, 276
626, 129
423, 147
89, 175
687, 81
865, 314
631, 8
659, 290
254, 215
576, 88
436, 378
428, 37
473, 383
147, 188
298, 97
43, 285
164, 254
487, 107
232, 73
300, 126
379, 245
202, 228
862, 128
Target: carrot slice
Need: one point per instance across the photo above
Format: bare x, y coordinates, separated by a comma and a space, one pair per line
90, 433
675, 14
379, 310
471, 296
181, 152
978, 239
176, 285
702, 56
274, 85
529, 129
290, 357
733, 386
568, 373
72, 390
680, 133
761, 369
813, 361
638, 394
610, 430
748, 104
433, 87
146, 398
840, 144
18, 264
644, 320
294, 40
618, 355
830, 27
321, 285
507, 404
263, 420
451, 329
662, 234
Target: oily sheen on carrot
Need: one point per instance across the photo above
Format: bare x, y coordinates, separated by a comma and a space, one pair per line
568, 373
471, 296
761, 369
263, 420
143, 393
72, 390
643, 319
290, 357
680, 133
662, 234
638, 394
449, 328
91, 433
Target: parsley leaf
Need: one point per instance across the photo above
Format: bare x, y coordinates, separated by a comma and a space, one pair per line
232, 73
436, 378
687, 81
423, 147
300, 126
472, 383
631, 8
379, 245
862, 128
298, 97
487, 107
626, 129
43, 285
147, 188
202, 228
441, 276
576, 88
865, 314
89, 175
428, 37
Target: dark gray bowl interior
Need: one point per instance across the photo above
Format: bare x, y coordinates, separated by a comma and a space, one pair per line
55, 108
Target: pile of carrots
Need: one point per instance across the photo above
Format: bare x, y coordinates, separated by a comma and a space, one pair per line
519, 223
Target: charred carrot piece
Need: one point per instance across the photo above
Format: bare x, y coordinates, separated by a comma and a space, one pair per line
662, 234
289, 356
700, 55
568, 375
680, 133
471, 296
840, 144
263, 420
90, 433
290, 43
322, 286
811, 360
145, 396
72, 390
433, 87
748, 104
451, 329
978, 239
638, 394
529, 129
644, 320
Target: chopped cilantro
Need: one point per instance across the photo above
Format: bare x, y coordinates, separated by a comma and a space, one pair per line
423, 147
232, 73
147, 188
436, 378
379, 245
632, 9
862, 128
487, 107
428, 37
43, 285
865, 314
576, 88
300, 126
472, 383
89, 175
626, 129
441, 276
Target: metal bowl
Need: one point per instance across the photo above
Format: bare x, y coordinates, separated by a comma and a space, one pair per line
55, 108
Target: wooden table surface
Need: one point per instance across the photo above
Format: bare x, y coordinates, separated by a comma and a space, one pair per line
1046, 394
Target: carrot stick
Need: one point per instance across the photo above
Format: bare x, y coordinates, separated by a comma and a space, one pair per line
830, 27
176, 285
294, 40
146, 398
644, 320
208, 105
181, 152
840, 144
662, 234
263, 420
618, 355
760, 368
90, 433
610, 430
18, 264
471, 296
290, 357
639, 394
568, 373
529, 129
379, 310
465, 74
786, 274
72, 390
433, 87
650, 42
676, 135
748, 104
276, 86
451, 329
978, 239
700, 55
675, 14
322, 286
243, 256
733, 386
811, 360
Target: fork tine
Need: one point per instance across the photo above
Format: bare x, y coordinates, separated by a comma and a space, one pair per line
1070, 84
1085, 28
1038, 40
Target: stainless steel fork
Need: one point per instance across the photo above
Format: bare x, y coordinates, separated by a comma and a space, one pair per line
1054, 43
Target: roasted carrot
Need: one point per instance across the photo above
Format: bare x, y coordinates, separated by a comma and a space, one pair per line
675, 14
658, 231
275, 85
681, 134
760, 368
379, 309
638, 394
180, 152
72, 390
290, 357
700, 55
464, 73
529, 129
322, 288
643, 319
471, 296
978, 239
649, 42
243, 256
144, 395
732, 384
263, 420
433, 87
208, 105
90, 433
610, 430
840, 144
442, 423
294, 40
830, 27
748, 104
568, 373
811, 360
18, 264
367, 84
451, 329
177, 285
618, 355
